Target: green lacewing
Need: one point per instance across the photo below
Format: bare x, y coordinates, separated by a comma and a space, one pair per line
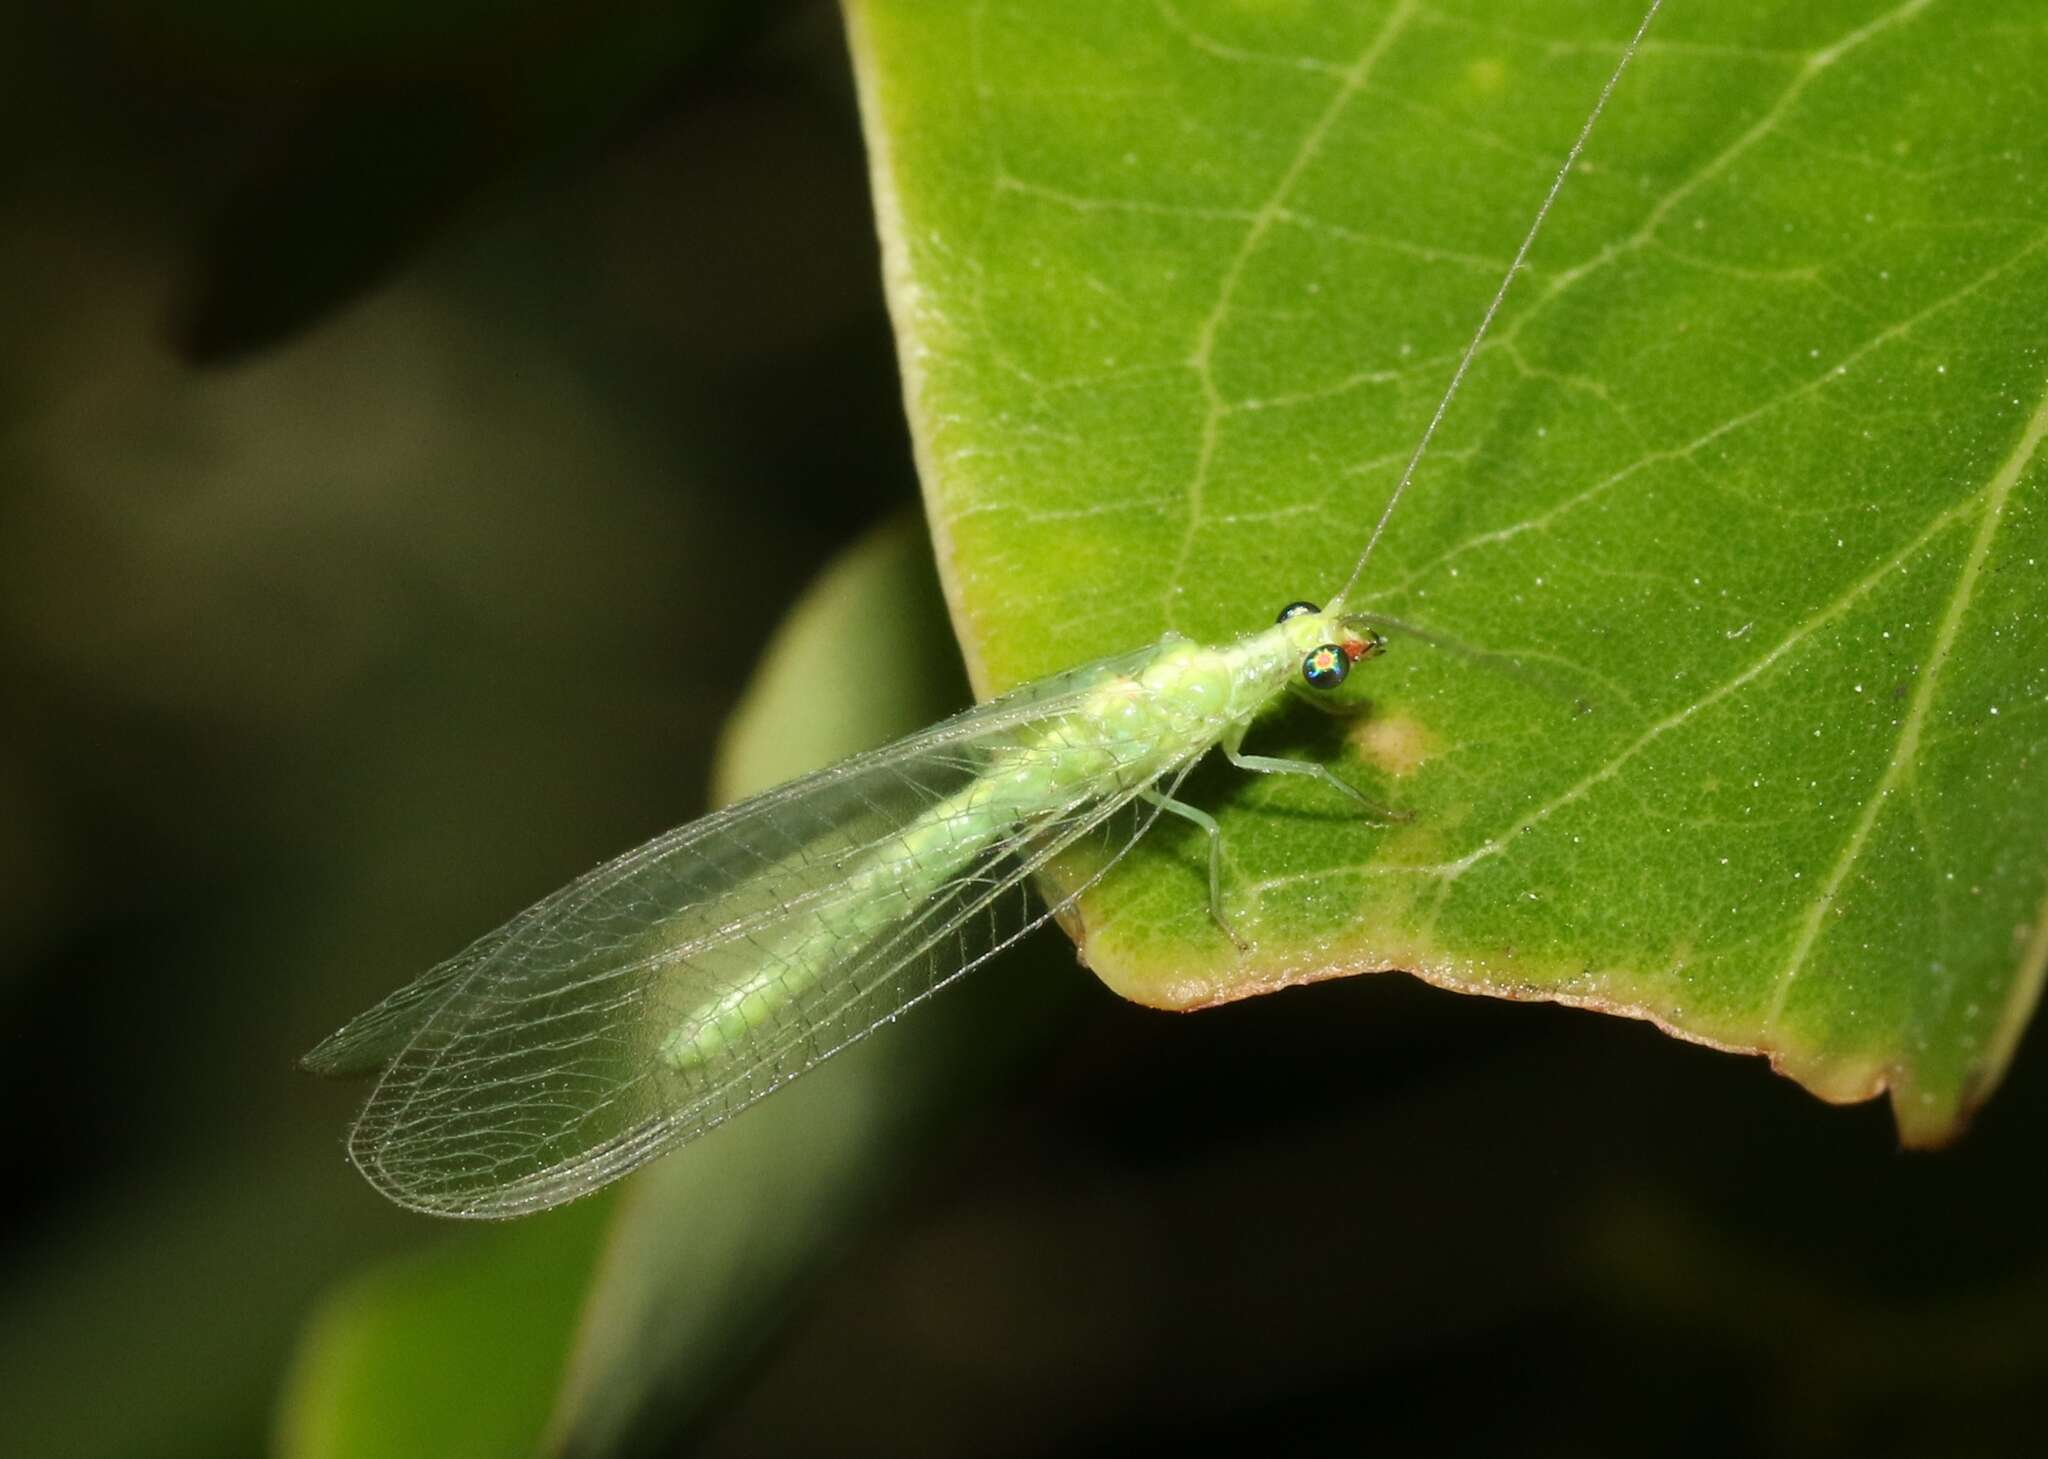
663, 992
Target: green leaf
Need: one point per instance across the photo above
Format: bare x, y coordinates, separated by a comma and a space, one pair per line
1748, 467
453, 1351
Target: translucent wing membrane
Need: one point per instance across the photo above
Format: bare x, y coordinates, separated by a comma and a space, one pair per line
665, 991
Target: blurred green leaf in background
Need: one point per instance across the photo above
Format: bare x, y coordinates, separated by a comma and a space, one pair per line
415, 423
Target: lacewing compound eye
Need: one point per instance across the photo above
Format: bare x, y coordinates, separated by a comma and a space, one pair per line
1326, 667
1295, 610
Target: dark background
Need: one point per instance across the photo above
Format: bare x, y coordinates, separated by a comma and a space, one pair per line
410, 428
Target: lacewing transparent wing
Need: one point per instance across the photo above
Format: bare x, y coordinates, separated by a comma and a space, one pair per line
665, 991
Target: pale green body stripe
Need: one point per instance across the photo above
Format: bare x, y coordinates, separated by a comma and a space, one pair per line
1124, 735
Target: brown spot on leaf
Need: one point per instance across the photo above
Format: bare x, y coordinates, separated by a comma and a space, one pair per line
1398, 744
